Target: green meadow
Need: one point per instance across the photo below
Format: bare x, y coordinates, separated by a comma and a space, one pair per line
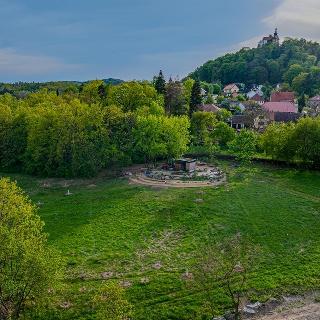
148, 238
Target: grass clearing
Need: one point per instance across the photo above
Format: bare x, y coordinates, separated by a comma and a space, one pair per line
147, 238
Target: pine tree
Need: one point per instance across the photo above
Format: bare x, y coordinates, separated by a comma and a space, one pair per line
196, 98
302, 102
160, 83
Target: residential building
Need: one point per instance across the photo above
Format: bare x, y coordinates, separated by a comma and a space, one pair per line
240, 121
231, 90
255, 90
258, 99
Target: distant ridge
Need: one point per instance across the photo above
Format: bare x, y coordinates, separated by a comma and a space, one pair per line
113, 81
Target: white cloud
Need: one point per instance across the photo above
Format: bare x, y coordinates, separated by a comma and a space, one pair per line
13, 62
296, 18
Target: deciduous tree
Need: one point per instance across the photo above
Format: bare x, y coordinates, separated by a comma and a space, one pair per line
28, 267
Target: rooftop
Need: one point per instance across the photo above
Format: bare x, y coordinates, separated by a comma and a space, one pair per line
316, 98
282, 97
288, 107
209, 108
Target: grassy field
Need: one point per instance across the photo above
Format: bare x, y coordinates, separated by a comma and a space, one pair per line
147, 238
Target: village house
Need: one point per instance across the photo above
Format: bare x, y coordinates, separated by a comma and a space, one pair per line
256, 95
209, 108
281, 111
240, 121
258, 99
271, 39
231, 90
255, 90
271, 112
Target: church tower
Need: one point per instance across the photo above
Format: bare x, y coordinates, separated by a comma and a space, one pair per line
276, 36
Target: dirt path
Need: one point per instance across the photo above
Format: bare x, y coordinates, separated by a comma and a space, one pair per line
306, 312
142, 180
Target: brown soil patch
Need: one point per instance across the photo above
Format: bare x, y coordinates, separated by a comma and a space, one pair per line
306, 312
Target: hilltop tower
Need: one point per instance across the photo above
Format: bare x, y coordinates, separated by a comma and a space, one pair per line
270, 39
276, 38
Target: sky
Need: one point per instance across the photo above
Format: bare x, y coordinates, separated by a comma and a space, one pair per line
133, 39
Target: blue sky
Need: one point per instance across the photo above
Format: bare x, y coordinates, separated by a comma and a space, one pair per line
132, 39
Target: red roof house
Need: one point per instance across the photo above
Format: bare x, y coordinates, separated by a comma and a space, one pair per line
282, 97
288, 107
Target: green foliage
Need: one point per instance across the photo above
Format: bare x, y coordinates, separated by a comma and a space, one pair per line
52, 135
13, 136
270, 64
202, 124
224, 115
119, 125
306, 138
111, 304
68, 140
131, 95
241, 97
176, 98
187, 89
212, 88
28, 267
160, 83
93, 92
126, 229
209, 99
293, 71
294, 142
244, 146
223, 133
160, 137
196, 97
276, 141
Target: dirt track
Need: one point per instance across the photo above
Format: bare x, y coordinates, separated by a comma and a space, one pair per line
306, 312
142, 180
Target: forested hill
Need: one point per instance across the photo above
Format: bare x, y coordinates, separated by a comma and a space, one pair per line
270, 64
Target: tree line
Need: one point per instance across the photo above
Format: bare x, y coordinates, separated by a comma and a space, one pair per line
293, 142
73, 134
52, 135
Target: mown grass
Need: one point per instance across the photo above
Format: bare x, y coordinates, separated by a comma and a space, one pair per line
138, 232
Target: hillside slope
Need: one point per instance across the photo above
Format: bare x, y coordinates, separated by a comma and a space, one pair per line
295, 62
